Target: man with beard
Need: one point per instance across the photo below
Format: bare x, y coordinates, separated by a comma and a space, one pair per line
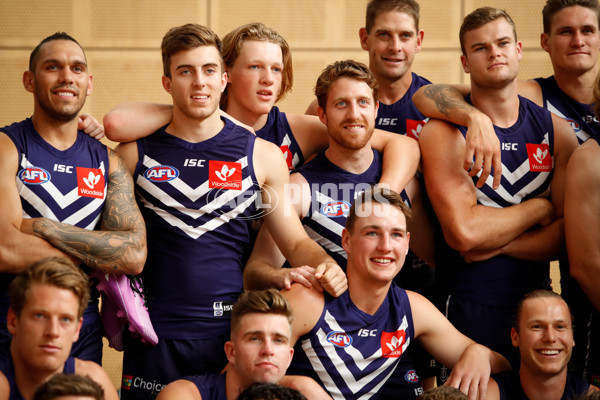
67, 185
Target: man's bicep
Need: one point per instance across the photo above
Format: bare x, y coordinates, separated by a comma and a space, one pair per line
448, 185
10, 201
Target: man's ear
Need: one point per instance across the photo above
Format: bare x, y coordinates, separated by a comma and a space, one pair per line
166, 82
363, 35
544, 42
90, 88
514, 337
11, 321
322, 115
346, 240
28, 81
230, 351
76, 335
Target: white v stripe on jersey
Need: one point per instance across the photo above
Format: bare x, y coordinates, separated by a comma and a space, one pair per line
386, 368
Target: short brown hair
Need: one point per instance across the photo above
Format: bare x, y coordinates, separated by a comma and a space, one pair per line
68, 385
443, 393
54, 271
232, 46
481, 17
554, 6
186, 37
536, 294
268, 301
379, 195
377, 7
343, 69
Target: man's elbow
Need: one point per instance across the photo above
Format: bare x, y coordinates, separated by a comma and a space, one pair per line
113, 122
461, 239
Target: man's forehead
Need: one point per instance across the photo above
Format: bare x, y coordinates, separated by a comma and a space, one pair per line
373, 214
538, 307
574, 16
384, 19
54, 47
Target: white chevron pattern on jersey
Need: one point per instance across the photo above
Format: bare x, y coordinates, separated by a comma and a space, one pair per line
194, 194
361, 362
513, 177
582, 135
63, 200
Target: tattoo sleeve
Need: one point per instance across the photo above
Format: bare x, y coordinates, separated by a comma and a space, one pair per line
447, 99
120, 244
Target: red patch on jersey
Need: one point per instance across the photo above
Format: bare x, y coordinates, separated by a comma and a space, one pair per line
540, 159
413, 128
224, 175
391, 343
90, 182
287, 154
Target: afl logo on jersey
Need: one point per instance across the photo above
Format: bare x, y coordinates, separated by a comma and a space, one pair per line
161, 173
339, 339
34, 176
411, 376
574, 124
335, 209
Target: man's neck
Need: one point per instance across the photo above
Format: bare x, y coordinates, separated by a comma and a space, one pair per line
391, 91
27, 378
367, 297
233, 383
353, 161
501, 105
59, 134
579, 87
251, 119
542, 387
195, 130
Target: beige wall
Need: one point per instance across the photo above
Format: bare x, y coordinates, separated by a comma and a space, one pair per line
122, 39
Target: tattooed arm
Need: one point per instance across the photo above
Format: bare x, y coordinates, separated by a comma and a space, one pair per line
120, 244
446, 102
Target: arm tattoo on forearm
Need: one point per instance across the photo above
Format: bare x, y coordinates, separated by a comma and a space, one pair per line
446, 98
122, 238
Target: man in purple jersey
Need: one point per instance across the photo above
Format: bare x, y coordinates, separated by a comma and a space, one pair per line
72, 196
47, 301
259, 352
353, 343
498, 243
201, 180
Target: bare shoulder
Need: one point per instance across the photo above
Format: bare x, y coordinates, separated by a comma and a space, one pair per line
564, 136
4, 387
307, 306
9, 156
180, 390
531, 90
96, 373
268, 161
129, 154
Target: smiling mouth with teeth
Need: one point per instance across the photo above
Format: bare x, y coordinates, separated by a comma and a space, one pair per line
549, 352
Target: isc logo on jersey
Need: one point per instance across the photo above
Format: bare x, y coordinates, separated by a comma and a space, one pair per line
224, 175
336, 209
574, 124
161, 173
339, 339
540, 159
411, 376
392, 343
34, 176
90, 182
